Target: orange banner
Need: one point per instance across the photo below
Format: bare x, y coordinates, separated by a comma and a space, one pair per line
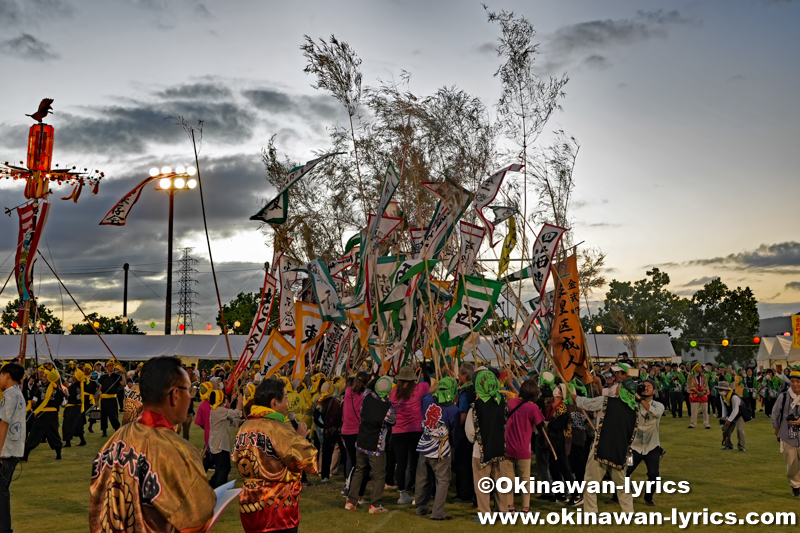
796, 331
569, 351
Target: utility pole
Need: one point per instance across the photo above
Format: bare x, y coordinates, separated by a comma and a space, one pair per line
125, 267
168, 310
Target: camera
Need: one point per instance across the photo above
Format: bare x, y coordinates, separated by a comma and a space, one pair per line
640, 388
792, 417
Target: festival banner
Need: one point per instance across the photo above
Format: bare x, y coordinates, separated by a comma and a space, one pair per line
502, 213
280, 349
509, 243
475, 298
525, 273
257, 330
381, 229
455, 197
330, 345
287, 278
569, 352
276, 211
796, 331
344, 262
359, 317
309, 330
543, 250
417, 237
119, 213
31, 225
486, 193
390, 183
343, 350
438, 232
471, 239
543, 305
280, 202
324, 291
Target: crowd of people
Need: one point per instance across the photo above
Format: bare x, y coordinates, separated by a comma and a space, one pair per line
411, 432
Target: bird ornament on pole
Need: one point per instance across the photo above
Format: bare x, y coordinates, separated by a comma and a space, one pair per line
38, 175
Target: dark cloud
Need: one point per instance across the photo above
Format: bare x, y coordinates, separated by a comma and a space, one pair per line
133, 128
766, 309
16, 12
486, 48
570, 42
603, 225
784, 255
89, 257
697, 282
309, 107
793, 286
197, 91
26, 46
596, 61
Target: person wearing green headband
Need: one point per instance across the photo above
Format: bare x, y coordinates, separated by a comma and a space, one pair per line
441, 422
615, 431
698, 390
377, 416
486, 428
676, 381
771, 386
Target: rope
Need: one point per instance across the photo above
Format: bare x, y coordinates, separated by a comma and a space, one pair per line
79, 307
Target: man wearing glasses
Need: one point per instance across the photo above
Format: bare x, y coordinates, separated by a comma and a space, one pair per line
147, 478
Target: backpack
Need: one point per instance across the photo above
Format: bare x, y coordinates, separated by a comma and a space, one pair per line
744, 410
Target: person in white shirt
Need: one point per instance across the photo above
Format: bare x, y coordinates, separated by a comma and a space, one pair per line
12, 435
219, 439
646, 445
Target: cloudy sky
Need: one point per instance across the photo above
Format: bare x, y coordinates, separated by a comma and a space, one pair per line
686, 114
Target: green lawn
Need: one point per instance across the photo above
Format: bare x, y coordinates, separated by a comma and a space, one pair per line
54, 496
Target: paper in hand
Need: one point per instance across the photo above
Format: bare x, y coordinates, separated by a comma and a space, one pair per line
225, 494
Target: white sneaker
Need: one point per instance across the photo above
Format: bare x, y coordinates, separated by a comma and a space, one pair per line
378, 509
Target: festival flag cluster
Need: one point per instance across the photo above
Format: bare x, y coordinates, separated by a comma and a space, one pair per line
390, 297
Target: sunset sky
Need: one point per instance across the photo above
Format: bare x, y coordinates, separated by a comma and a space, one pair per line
686, 113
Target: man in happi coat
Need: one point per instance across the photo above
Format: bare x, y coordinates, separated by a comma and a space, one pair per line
147, 479
616, 428
270, 455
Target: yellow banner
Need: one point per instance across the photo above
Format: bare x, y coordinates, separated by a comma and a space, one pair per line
796, 331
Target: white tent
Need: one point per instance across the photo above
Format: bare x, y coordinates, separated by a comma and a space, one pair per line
125, 347
776, 353
792, 353
652, 346
764, 349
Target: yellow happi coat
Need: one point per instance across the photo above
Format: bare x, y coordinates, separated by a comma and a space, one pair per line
147, 479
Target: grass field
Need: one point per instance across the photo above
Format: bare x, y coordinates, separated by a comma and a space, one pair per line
54, 496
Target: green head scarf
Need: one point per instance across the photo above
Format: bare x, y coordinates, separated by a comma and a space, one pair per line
547, 378
486, 386
446, 390
383, 386
576, 385
627, 393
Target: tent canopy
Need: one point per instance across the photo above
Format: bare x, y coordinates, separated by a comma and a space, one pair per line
125, 347
652, 346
